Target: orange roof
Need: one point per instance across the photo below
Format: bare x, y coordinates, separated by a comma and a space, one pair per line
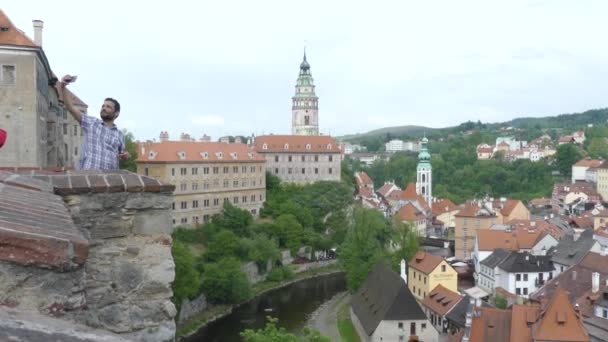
590, 162
425, 262
540, 225
472, 210
441, 300
11, 35
195, 151
443, 206
363, 178
409, 213
490, 324
508, 207
387, 189
410, 191
491, 239
522, 318
296, 143
559, 321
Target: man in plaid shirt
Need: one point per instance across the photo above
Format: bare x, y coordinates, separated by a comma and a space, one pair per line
104, 143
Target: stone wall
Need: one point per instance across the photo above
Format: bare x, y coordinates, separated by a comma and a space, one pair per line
124, 286
190, 308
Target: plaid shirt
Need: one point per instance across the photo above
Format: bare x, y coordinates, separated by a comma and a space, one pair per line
101, 145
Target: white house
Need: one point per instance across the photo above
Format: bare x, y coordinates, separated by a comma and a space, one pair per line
522, 273
488, 270
394, 145
384, 309
514, 240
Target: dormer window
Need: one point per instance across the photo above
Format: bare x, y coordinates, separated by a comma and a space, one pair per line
308, 147
329, 146
151, 155
265, 146
181, 155
250, 155
286, 146
233, 155
205, 155
219, 155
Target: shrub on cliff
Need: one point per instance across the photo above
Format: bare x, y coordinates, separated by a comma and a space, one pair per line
187, 279
224, 282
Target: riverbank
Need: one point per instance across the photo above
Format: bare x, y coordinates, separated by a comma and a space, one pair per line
215, 312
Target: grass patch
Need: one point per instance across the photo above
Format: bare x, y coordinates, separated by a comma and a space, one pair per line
194, 323
345, 325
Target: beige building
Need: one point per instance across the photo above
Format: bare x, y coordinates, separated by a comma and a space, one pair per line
40, 132
300, 158
602, 180
474, 216
205, 175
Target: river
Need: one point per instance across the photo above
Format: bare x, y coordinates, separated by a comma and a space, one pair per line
291, 304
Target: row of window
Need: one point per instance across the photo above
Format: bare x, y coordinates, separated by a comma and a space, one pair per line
215, 184
206, 218
303, 158
286, 146
297, 170
206, 203
183, 171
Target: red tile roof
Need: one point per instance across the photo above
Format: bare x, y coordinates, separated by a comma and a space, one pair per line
11, 35
296, 143
441, 300
409, 213
194, 151
409, 192
472, 210
522, 319
443, 206
508, 206
491, 239
425, 262
540, 225
559, 321
387, 188
590, 162
491, 325
362, 178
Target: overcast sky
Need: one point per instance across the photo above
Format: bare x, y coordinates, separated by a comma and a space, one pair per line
229, 67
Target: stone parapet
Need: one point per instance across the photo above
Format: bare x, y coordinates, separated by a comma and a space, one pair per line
122, 284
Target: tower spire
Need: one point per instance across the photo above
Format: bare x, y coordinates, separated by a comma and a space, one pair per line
305, 105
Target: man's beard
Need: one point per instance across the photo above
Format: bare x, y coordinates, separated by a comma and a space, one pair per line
106, 117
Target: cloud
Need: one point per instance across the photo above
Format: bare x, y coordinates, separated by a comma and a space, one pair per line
208, 120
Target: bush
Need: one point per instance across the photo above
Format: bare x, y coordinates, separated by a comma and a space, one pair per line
189, 235
187, 279
278, 274
224, 282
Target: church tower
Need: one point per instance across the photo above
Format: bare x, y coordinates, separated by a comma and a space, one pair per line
305, 104
424, 173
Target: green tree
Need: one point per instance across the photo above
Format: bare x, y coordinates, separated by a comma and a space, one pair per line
363, 246
598, 148
235, 219
566, 156
187, 279
290, 232
224, 282
131, 147
272, 182
262, 249
500, 302
272, 333
224, 244
406, 240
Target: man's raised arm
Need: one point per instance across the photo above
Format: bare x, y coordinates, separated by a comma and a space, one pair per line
67, 100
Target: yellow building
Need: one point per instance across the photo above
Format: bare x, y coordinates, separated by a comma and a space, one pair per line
205, 175
425, 271
602, 181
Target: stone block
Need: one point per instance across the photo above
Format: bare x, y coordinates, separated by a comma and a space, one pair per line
148, 200
153, 222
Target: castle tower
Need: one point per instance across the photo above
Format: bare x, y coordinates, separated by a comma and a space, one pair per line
305, 104
424, 173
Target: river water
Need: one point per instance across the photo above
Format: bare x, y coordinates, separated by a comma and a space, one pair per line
292, 305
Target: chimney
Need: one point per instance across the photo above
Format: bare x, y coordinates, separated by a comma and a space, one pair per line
38, 24
403, 274
595, 282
